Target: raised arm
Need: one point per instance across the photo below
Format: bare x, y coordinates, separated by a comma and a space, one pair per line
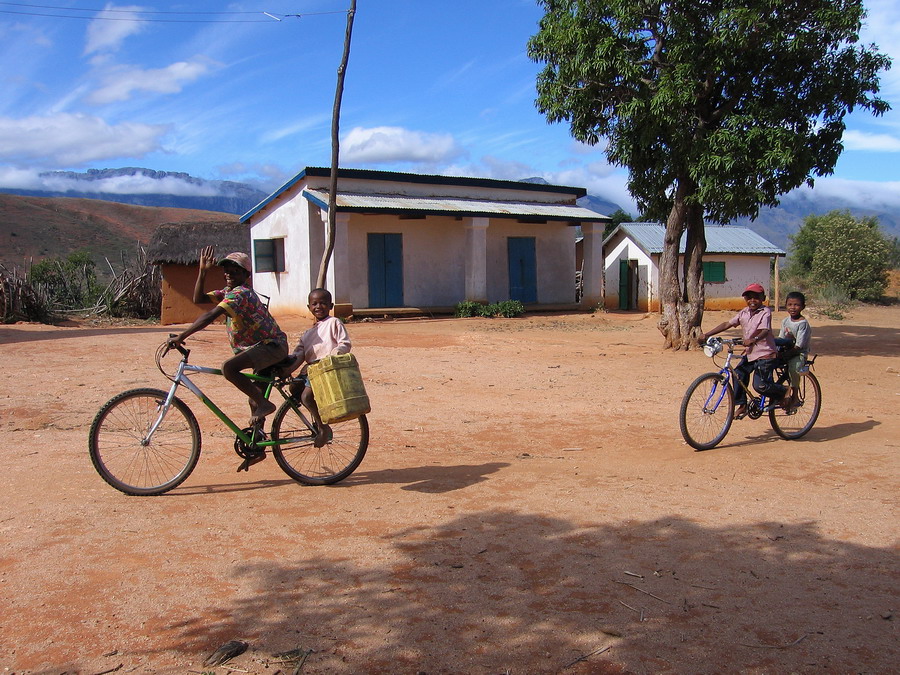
207, 262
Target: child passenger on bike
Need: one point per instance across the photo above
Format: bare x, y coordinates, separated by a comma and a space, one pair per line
255, 337
760, 356
795, 327
326, 337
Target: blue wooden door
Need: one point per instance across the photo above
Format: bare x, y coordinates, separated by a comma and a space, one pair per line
385, 270
522, 269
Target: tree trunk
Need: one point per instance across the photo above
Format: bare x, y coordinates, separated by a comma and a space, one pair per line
682, 305
335, 150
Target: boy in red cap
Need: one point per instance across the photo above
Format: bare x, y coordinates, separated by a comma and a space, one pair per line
255, 337
760, 356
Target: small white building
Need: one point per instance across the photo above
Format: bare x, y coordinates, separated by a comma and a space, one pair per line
423, 242
735, 257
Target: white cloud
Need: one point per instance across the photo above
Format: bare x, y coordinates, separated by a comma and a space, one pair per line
113, 25
69, 140
120, 82
860, 140
380, 145
872, 195
298, 127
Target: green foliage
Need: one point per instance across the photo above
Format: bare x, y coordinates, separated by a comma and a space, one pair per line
469, 308
617, 218
68, 283
837, 250
732, 102
507, 309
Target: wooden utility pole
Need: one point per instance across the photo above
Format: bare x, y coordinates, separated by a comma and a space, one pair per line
335, 150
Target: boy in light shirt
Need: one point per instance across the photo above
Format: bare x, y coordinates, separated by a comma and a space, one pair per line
327, 337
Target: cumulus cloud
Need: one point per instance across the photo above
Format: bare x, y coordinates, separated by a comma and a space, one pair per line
68, 139
120, 82
870, 195
859, 140
380, 145
111, 27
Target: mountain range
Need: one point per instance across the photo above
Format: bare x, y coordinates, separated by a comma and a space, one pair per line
111, 210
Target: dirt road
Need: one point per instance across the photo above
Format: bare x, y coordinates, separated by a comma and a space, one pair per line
527, 506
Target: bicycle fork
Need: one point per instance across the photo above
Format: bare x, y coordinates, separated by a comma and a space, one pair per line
717, 394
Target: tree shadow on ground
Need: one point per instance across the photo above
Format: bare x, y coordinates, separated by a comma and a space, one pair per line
497, 591
850, 340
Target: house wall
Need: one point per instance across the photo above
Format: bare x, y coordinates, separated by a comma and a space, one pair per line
622, 248
178, 292
740, 270
288, 290
434, 249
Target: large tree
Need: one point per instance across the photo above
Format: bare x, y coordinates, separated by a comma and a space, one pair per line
716, 107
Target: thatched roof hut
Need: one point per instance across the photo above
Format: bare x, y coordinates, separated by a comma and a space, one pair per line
180, 243
176, 247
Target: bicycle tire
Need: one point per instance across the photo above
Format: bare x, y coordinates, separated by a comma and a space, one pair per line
796, 421
310, 465
701, 426
120, 455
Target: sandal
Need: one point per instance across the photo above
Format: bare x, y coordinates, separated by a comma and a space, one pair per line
740, 412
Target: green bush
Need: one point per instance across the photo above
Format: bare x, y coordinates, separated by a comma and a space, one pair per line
507, 309
68, 283
837, 249
468, 309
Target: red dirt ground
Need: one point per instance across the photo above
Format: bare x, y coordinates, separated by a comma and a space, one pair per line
527, 505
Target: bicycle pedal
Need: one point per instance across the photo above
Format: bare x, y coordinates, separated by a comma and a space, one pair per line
250, 461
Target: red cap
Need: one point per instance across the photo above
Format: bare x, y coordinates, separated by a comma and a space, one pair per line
754, 288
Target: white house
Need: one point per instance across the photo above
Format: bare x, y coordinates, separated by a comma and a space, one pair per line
735, 257
424, 242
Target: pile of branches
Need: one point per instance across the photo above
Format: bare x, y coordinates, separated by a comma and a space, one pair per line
135, 292
20, 300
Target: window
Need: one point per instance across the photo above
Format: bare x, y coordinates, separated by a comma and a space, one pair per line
268, 255
713, 272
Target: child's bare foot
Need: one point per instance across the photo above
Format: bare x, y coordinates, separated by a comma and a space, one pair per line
740, 412
323, 436
263, 409
788, 398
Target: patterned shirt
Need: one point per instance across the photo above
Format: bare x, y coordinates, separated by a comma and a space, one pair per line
248, 320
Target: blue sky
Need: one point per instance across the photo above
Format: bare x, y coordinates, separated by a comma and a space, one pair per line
433, 86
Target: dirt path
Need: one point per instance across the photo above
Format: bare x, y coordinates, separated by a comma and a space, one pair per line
527, 506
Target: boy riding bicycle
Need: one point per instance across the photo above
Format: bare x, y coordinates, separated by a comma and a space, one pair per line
760, 357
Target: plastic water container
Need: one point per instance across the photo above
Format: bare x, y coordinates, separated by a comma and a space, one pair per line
338, 388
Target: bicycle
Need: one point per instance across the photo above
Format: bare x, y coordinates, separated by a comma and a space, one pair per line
147, 441
707, 409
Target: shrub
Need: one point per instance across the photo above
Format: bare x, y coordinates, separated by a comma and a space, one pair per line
507, 309
468, 309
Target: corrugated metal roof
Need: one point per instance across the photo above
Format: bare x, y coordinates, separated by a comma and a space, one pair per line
399, 177
375, 203
719, 239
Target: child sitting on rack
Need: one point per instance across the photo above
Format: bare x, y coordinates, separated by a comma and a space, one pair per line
760, 356
326, 337
796, 327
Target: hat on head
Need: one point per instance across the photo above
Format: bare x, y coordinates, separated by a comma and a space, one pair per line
238, 258
754, 288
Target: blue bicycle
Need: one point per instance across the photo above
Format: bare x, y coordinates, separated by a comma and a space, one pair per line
707, 409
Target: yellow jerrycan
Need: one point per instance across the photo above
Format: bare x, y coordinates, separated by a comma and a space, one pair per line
338, 388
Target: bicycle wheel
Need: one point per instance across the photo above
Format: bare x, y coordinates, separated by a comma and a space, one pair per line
129, 463
799, 419
305, 463
707, 411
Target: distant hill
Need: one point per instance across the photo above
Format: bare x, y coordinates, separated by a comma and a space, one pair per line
41, 227
146, 187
